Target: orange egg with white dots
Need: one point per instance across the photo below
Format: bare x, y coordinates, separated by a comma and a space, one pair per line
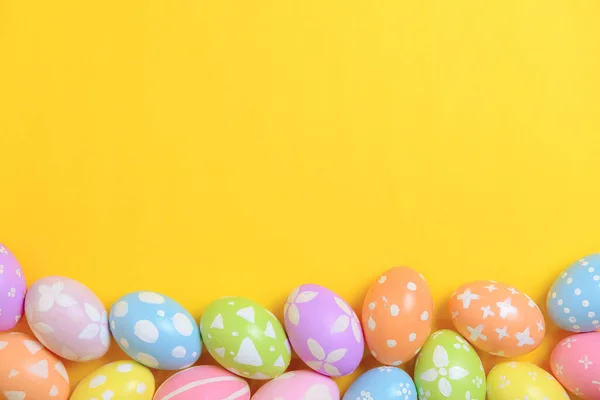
29, 371
497, 318
397, 315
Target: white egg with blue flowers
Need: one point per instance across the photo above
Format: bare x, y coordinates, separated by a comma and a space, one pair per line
574, 299
383, 383
155, 330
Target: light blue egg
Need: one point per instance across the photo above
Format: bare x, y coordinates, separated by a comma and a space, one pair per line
155, 330
574, 299
383, 383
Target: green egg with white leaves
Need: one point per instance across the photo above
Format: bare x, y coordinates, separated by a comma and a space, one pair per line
448, 368
245, 338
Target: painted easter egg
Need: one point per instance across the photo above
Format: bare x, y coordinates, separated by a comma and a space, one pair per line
155, 330
206, 382
12, 290
575, 362
497, 318
246, 338
29, 371
299, 385
522, 380
574, 299
449, 368
397, 315
68, 318
117, 380
383, 383
323, 330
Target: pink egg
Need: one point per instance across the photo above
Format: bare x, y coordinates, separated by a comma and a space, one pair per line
203, 383
299, 385
12, 290
68, 318
575, 362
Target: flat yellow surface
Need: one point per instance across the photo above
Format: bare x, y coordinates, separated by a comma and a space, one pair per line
203, 149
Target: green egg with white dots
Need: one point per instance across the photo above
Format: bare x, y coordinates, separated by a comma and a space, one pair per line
448, 368
245, 338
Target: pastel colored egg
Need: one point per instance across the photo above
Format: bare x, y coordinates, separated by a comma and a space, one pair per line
68, 318
203, 383
323, 330
449, 368
29, 371
575, 362
574, 299
383, 383
117, 380
397, 315
299, 385
155, 330
12, 290
522, 380
245, 338
497, 318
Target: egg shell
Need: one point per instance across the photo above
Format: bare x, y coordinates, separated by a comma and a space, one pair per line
574, 299
523, 380
245, 338
449, 368
29, 371
299, 385
117, 380
497, 318
575, 362
155, 330
68, 318
12, 290
383, 383
397, 315
323, 330
203, 383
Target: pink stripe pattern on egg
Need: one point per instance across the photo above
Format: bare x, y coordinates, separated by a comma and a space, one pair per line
203, 383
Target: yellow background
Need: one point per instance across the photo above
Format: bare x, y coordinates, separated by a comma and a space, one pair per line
203, 149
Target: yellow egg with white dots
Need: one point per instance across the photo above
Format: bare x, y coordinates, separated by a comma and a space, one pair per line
117, 381
522, 381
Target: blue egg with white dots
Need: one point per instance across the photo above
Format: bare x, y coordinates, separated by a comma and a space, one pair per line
155, 330
383, 383
574, 299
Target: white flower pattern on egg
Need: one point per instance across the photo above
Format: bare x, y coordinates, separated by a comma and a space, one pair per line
324, 361
297, 297
441, 363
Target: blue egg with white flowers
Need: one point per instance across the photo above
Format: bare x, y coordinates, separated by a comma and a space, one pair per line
383, 383
574, 299
155, 330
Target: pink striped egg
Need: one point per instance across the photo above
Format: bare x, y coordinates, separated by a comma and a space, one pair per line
205, 382
299, 385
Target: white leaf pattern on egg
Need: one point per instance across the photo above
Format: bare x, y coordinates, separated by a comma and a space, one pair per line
306, 296
340, 324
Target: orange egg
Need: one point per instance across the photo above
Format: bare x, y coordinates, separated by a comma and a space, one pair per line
397, 315
29, 371
497, 318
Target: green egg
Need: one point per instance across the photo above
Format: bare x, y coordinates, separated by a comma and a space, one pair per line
246, 338
449, 368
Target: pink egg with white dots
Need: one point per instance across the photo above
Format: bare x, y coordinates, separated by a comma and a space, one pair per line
12, 290
206, 382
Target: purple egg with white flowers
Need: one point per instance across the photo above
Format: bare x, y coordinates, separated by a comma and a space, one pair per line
12, 290
323, 330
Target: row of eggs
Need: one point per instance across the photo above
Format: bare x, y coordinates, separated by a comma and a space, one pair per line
249, 341
446, 368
